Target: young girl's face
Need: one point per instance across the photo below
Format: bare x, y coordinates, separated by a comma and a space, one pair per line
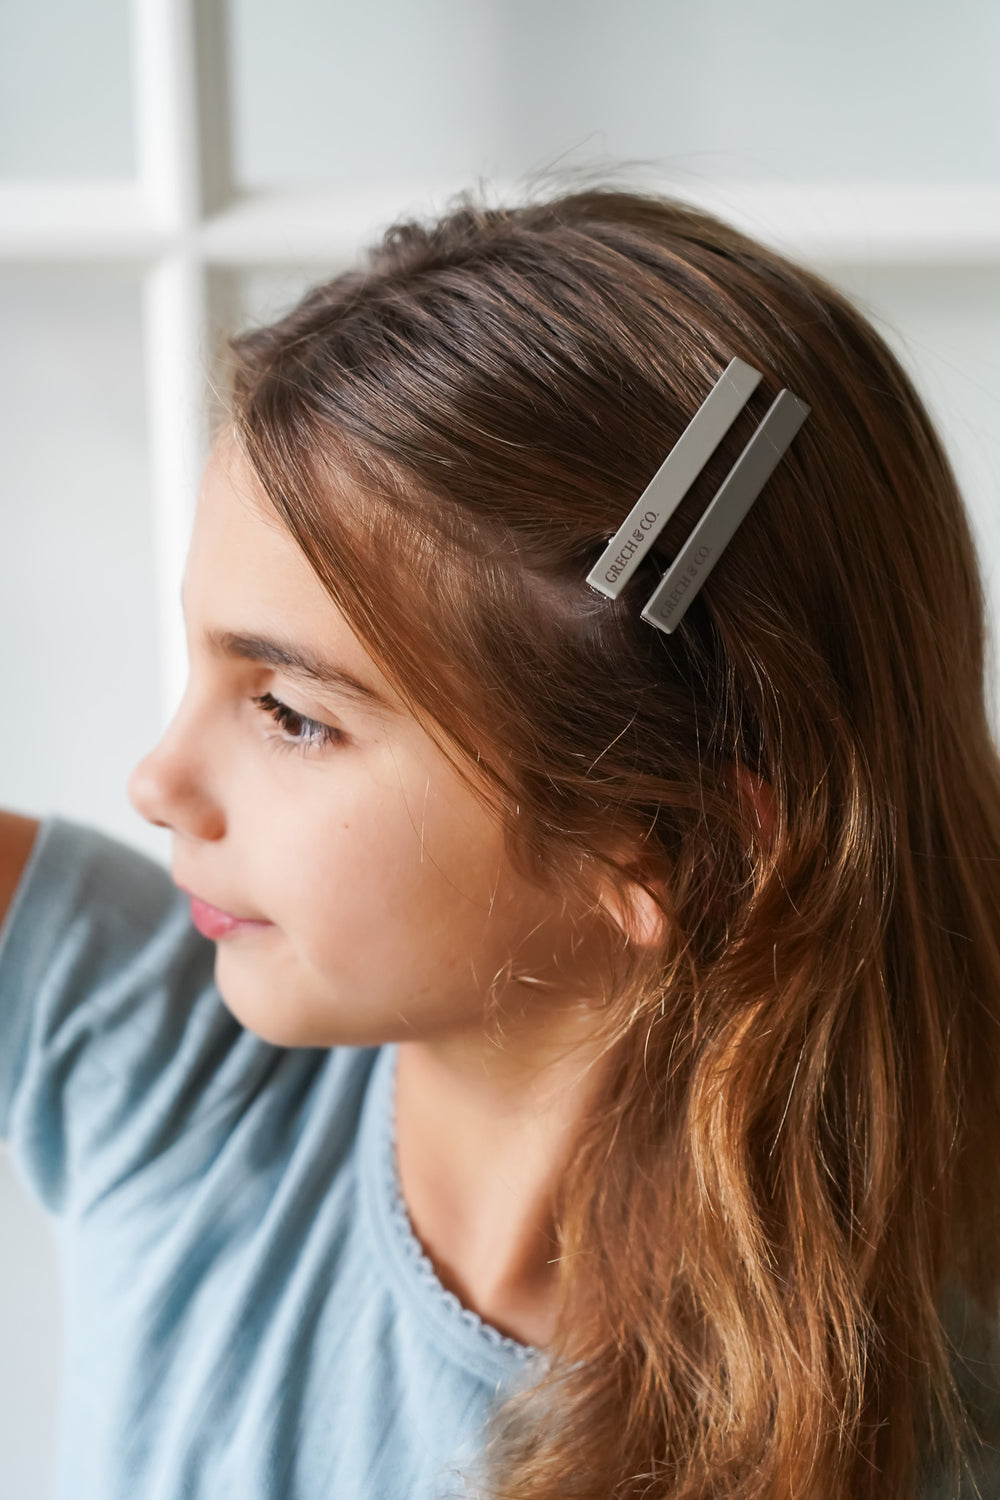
390, 901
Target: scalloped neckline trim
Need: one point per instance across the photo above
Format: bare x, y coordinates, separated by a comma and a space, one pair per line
412, 1258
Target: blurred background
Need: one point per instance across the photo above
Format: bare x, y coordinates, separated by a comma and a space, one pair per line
172, 169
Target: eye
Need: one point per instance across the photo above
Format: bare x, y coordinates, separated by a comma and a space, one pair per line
300, 733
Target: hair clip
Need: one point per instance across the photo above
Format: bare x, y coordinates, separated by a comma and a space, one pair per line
672, 480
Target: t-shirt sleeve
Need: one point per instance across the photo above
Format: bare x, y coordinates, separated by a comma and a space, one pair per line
115, 1044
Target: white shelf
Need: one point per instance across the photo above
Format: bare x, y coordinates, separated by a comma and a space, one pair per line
888, 224
867, 223
78, 221
316, 227
870, 223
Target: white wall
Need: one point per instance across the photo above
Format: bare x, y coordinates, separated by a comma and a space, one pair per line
398, 95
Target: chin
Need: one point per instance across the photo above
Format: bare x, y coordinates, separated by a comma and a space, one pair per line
282, 1024
274, 1011
245, 1005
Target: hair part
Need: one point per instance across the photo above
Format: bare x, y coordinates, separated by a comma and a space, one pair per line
794, 1156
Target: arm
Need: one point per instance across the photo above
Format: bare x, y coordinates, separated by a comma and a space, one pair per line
17, 835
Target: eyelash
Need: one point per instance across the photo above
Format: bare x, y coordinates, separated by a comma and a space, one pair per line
316, 736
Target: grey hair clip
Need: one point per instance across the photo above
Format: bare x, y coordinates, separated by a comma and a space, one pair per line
675, 476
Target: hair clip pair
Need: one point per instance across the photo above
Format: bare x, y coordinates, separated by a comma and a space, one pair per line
675, 476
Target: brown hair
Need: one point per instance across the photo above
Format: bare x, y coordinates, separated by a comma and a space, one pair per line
795, 1156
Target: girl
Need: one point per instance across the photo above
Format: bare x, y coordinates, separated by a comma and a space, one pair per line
582, 1077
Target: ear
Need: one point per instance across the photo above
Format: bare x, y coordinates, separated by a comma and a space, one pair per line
644, 923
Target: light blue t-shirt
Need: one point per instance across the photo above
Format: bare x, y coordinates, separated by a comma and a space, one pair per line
248, 1314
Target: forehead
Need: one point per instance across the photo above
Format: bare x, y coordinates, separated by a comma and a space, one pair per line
249, 592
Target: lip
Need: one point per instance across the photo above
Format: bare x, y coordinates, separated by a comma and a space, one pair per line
213, 922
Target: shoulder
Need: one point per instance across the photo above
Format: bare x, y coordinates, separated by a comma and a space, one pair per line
111, 1029
85, 899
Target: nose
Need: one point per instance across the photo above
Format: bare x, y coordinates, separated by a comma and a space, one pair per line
168, 788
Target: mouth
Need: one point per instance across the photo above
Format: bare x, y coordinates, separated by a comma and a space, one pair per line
212, 922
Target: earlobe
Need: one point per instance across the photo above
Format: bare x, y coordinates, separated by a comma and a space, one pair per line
640, 920
648, 924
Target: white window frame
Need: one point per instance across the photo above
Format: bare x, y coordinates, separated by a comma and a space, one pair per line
181, 219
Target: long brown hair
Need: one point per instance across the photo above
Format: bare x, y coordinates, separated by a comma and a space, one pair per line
794, 1164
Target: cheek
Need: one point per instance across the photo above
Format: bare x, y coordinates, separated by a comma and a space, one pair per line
394, 891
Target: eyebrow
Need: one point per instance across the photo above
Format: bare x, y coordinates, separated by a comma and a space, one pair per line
300, 663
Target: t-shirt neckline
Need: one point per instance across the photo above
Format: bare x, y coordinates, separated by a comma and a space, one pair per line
458, 1331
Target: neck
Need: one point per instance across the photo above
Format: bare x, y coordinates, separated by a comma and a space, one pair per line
483, 1137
